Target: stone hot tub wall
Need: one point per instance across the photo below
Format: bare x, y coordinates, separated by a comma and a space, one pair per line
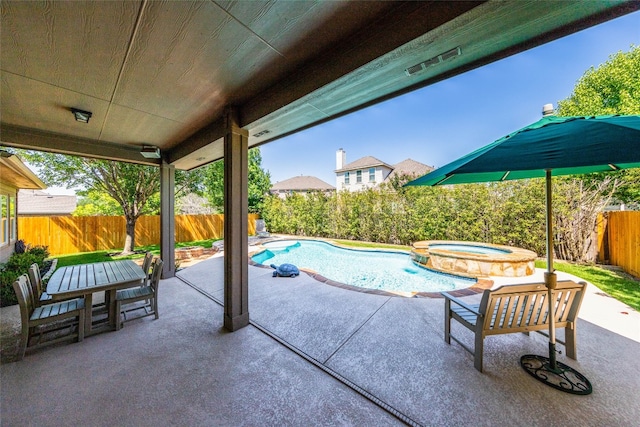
517, 262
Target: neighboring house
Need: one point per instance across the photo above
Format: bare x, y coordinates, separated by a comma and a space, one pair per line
409, 168
39, 203
369, 172
14, 175
301, 185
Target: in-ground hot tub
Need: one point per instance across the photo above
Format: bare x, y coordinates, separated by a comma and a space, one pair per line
474, 258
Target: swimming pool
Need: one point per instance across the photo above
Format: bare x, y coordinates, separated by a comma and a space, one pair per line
381, 270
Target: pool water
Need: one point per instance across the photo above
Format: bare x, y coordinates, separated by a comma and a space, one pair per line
389, 271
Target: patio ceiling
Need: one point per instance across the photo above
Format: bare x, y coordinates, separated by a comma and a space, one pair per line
163, 73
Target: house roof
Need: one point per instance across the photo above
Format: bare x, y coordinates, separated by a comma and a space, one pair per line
363, 163
409, 167
34, 202
16, 174
301, 183
171, 74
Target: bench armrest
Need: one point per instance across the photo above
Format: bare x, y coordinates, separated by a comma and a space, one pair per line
461, 303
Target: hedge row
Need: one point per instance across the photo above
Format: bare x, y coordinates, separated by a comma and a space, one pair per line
510, 213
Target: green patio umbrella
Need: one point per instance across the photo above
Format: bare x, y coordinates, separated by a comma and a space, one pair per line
549, 147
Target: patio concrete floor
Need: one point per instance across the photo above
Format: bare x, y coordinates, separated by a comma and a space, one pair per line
317, 355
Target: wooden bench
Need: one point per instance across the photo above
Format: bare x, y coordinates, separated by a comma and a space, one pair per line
516, 308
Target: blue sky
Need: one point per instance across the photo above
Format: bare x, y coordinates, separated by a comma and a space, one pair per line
447, 120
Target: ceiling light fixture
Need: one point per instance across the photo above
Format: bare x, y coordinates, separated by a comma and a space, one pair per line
81, 115
150, 152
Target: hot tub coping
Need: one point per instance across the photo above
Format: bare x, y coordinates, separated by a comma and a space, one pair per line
514, 254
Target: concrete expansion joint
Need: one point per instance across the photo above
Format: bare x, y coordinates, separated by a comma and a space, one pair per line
356, 330
320, 365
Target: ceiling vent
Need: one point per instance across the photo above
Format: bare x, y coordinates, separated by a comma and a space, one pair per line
433, 61
259, 134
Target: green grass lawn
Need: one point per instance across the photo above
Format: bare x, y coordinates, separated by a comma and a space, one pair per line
100, 256
618, 284
356, 244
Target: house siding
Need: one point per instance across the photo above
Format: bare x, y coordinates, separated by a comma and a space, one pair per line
380, 174
9, 222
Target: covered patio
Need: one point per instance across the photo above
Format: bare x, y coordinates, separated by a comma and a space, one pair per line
178, 85
316, 354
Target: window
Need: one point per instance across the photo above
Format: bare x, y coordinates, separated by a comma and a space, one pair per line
4, 208
12, 218
346, 178
358, 177
372, 174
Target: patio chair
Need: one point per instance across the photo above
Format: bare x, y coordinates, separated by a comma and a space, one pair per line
46, 320
132, 297
39, 296
146, 265
515, 308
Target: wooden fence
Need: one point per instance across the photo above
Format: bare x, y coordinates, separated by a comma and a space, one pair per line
68, 234
619, 240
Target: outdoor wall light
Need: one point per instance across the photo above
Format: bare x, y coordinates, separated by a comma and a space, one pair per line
81, 116
150, 152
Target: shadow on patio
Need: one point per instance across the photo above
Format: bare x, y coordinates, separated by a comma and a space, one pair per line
313, 355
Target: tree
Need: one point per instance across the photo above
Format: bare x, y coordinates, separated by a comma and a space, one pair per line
577, 203
611, 88
258, 186
93, 203
259, 181
132, 186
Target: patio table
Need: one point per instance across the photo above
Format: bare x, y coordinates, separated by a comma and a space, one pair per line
86, 279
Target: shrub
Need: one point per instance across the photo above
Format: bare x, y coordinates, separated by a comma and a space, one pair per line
509, 213
17, 265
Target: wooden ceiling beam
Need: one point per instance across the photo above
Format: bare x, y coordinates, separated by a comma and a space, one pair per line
32, 139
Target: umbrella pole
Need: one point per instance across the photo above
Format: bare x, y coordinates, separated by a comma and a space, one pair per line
549, 370
550, 276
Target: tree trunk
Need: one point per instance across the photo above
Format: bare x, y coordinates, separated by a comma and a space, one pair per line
130, 240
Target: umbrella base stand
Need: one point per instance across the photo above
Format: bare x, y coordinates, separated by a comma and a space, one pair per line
563, 378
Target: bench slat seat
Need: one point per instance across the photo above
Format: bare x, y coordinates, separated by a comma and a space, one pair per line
134, 293
516, 308
46, 312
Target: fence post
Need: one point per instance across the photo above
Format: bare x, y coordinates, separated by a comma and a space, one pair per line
603, 238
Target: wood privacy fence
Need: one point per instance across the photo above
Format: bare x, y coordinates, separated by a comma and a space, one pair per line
69, 234
619, 240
